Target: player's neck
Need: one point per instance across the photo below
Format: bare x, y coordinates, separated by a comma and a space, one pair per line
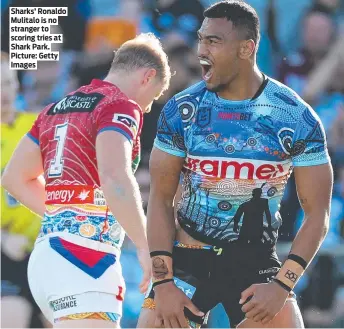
125, 84
244, 86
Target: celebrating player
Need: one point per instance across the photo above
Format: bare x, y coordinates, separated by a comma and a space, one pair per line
234, 138
76, 168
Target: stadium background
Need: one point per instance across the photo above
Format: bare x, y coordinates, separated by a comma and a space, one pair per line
300, 46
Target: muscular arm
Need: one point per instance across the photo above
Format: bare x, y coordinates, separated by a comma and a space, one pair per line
120, 186
22, 176
314, 188
165, 171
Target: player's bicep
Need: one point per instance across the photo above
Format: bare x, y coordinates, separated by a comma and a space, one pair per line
26, 162
165, 170
314, 187
113, 154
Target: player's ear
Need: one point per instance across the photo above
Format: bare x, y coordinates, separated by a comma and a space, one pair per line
149, 75
247, 48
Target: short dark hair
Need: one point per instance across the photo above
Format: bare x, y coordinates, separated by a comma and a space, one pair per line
241, 14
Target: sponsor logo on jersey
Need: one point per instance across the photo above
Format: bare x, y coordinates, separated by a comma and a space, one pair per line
235, 116
127, 121
73, 194
269, 270
237, 168
78, 102
63, 303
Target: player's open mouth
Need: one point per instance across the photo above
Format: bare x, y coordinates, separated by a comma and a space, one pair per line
207, 69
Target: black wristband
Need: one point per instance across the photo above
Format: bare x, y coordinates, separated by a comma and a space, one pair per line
298, 260
283, 285
161, 282
160, 253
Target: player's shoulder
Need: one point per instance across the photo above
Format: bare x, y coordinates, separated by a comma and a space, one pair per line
285, 95
192, 92
288, 99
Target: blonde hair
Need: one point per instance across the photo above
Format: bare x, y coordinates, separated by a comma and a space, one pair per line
145, 50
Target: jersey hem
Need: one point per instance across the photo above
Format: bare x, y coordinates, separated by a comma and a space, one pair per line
169, 151
310, 164
35, 140
125, 134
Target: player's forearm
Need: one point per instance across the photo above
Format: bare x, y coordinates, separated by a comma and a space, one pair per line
29, 193
311, 235
161, 234
124, 200
161, 225
304, 248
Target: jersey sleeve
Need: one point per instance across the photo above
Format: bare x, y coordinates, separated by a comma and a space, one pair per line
309, 146
170, 131
124, 117
33, 133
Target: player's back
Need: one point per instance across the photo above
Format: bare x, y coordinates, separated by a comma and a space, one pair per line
66, 133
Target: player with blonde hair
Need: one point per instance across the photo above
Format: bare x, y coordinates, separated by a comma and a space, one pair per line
76, 168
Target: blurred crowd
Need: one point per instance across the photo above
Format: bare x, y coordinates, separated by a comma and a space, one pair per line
302, 43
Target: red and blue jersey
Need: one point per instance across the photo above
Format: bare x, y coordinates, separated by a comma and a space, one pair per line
66, 133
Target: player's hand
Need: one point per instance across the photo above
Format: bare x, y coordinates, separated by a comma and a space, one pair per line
267, 300
170, 302
146, 265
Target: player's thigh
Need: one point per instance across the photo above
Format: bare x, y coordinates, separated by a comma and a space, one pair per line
289, 317
146, 319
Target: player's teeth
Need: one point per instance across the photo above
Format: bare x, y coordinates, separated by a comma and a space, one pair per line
203, 62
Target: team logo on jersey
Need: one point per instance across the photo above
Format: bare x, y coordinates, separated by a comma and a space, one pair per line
78, 102
126, 120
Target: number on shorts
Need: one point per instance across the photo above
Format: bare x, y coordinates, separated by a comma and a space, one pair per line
56, 164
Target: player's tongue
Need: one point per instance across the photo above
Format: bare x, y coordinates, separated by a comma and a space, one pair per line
207, 69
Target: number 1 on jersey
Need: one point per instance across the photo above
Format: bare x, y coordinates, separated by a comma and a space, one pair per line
56, 164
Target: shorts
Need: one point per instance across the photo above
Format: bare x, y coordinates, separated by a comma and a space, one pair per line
73, 278
210, 275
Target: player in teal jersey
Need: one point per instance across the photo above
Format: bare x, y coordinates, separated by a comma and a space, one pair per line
235, 137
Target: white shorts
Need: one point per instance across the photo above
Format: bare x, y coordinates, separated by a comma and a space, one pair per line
71, 277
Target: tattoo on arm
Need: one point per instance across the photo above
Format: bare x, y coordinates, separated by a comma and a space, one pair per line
160, 269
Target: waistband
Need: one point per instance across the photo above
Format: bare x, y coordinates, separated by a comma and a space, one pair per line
84, 242
244, 247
